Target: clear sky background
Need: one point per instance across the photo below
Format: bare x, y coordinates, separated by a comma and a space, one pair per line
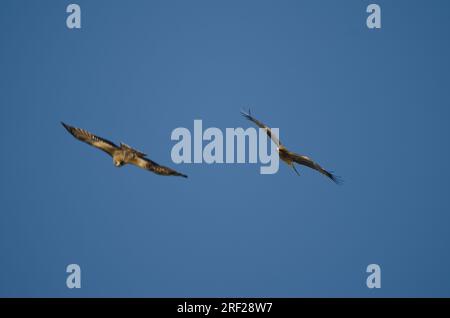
371, 105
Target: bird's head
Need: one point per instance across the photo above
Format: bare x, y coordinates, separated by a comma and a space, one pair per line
118, 163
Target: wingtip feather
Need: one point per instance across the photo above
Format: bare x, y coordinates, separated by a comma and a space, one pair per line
336, 179
246, 115
67, 127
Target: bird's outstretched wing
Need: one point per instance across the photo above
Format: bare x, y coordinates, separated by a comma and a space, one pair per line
91, 139
305, 161
261, 125
125, 146
152, 166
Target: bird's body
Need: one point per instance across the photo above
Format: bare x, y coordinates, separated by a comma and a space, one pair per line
285, 155
290, 158
122, 154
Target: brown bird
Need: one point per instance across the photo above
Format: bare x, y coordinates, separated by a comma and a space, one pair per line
122, 154
290, 157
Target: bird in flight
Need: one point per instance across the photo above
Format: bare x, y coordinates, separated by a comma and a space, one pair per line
290, 157
122, 154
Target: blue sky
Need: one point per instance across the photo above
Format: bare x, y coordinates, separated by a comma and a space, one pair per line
371, 105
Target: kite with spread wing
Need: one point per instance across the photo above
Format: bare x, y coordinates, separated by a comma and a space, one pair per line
122, 154
290, 157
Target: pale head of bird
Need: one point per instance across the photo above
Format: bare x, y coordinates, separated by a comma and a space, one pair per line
118, 163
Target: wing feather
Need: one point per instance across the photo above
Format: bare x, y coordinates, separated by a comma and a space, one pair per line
91, 139
152, 166
305, 161
263, 126
139, 153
